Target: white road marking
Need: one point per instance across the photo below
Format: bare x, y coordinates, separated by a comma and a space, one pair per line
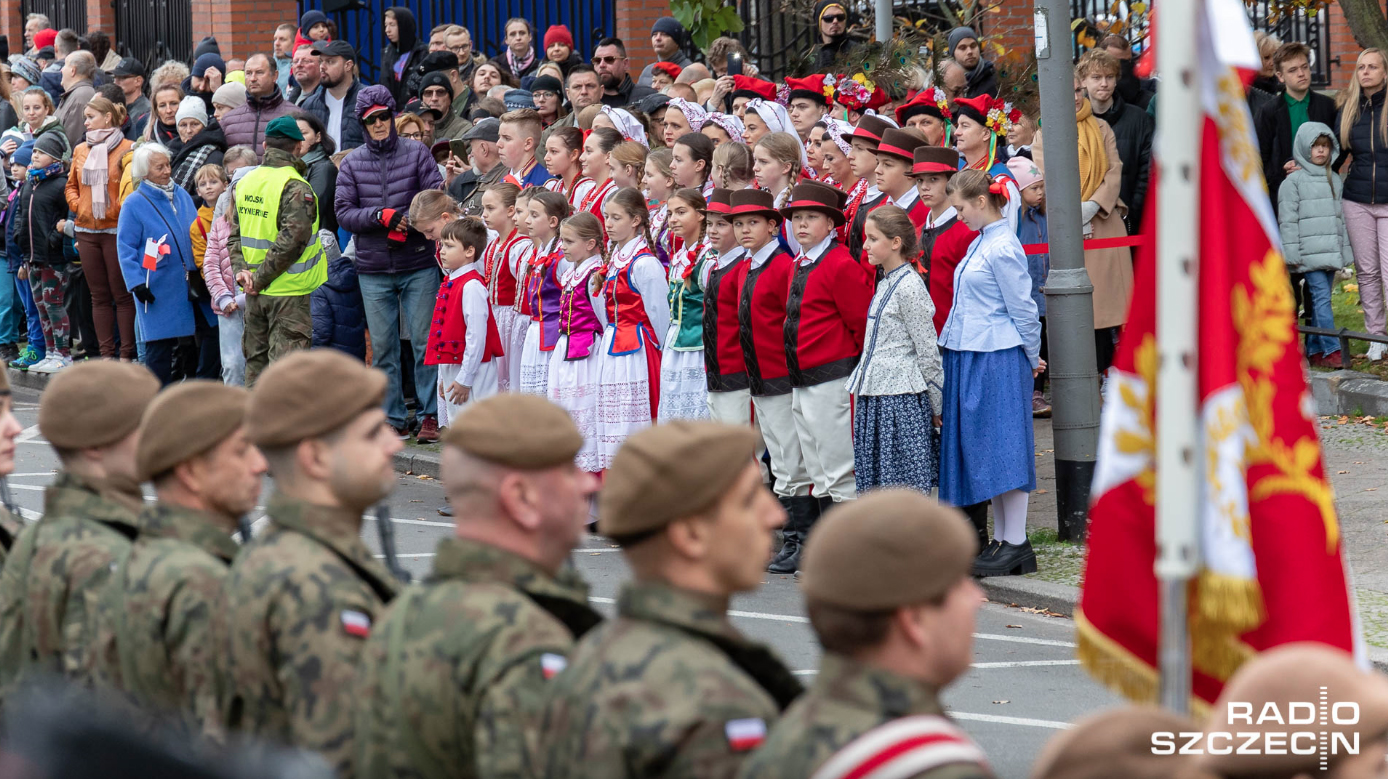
1026, 664
29, 475
1024, 640
1033, 723
414, 522
407, 554
30, 487
28, 434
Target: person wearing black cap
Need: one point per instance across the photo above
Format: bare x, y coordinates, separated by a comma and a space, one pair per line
436, 94
444, 64
547, 92
668, 38
402, 51
129, 75
486, 166
335, 102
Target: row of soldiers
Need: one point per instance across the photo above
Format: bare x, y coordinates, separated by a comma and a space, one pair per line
496, 665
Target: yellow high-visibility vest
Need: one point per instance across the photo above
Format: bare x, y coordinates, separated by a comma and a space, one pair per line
258, 198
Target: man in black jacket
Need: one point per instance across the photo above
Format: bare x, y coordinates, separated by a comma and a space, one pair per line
610, 61
1132, 128
965, 49
1279, 119
335, 101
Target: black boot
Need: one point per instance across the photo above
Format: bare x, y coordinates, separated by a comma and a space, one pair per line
803, 510
780, 532
978, 515
1009, 560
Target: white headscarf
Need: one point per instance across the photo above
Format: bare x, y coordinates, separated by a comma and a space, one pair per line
730, 124
694, 113
836, 129
778, 121
627, 124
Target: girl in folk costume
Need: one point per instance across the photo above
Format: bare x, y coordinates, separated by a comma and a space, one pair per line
681, 118
574, 363
776, 161
463, 339
898, 382
540, 289
628, 163
597, 165
634, 288
692, 163
683, 385
500, 264
981, 126
764, 118
866, 137
834, 153
563, 147
723, 128
658, 185
732, 167
991, 348
729, 400
624, 122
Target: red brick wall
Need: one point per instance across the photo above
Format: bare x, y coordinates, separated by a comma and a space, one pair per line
1011, 27
12, 26
242, 27
634, 20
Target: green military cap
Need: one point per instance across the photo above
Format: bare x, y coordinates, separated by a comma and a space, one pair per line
308, 394
284, 127
670, 471
519, 431
1116, 742
95, 404
889, 548
186, 421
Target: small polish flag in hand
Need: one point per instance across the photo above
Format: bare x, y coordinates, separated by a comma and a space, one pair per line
153, 251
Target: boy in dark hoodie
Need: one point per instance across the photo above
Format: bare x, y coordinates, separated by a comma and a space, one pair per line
339, 316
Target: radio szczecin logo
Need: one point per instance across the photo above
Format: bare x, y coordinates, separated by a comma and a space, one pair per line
1321, 728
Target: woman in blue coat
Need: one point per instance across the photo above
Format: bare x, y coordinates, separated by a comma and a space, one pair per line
161, 212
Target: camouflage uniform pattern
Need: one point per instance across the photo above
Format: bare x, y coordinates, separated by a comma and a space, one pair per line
47, 283
652, 692
158, 632
10, 527
298, 596
454, 673
51, 586
276, 326
846, 700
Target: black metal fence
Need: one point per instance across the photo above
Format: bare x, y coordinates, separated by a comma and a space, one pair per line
71, 14
153, 31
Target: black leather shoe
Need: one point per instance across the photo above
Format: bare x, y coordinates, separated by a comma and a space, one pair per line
1008, 560
445, 510
801, 513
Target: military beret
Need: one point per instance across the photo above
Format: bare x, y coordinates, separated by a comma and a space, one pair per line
284, 127
670, 471
186, 421
1116, 742
887, 549
308, 394
525, 432
95, 404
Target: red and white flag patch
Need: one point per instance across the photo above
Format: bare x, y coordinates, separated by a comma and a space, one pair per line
356, 623
551, 664
745, 734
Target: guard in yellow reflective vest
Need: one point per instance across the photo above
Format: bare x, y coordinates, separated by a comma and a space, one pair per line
275, 250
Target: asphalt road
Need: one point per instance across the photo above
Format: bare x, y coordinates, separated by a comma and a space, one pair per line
1024, 687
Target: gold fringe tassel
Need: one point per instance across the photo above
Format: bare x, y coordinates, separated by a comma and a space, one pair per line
1225, 608
1120, 670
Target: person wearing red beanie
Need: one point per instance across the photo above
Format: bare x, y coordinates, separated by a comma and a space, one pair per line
44, 38
559, 48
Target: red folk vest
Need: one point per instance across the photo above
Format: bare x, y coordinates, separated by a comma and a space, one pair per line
448, 329
626, 311
501, 283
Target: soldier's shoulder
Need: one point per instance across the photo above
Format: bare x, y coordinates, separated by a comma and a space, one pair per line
177, 563
493, 622
812, 729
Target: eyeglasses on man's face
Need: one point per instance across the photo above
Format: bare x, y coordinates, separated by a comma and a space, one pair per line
607, 60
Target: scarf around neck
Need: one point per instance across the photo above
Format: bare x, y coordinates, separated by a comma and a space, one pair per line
1093, 157
518, 67
100, 144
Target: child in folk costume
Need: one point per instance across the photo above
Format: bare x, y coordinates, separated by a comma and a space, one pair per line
729, 400
518, 146
634, 289
500, 264
683, 388
898, 382
692, 163
628, 162
895, 159
682, 118
862, 157
815, 169
776, 161
724, 128
732, 167
574, 363
563, 147
597, 165
767, 116
658, 185
826, 319
540, 289
834, 153
945, 239
463, 339
991, 348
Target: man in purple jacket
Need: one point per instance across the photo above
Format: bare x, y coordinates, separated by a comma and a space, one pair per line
395, 263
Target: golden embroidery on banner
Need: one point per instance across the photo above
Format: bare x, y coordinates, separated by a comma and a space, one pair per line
1141, 441
1234, 133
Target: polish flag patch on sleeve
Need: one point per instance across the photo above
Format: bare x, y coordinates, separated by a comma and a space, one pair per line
745, 734
551, 664
356, 623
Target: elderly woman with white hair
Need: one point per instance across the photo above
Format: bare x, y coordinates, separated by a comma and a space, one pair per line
156, 260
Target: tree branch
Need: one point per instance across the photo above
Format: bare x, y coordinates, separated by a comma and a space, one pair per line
1366, 22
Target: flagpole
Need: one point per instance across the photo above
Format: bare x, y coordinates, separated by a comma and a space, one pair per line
1179, 122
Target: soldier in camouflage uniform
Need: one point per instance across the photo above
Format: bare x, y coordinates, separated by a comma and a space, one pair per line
887, 585
303, 593
90, 413
453, 676
158, 631
278, 274
10, 524
670, 688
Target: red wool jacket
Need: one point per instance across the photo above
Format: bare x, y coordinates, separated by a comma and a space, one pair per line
944, 247
761, 316
448, 330
826, 317
724, 365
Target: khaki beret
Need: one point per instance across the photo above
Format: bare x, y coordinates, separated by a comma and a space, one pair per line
308, 394
887, 549
1116, 742
95, 404
674, 470
186, 421
1294, 674
519, 431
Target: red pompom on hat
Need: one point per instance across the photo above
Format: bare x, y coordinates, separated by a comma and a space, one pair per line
558, 33
746, 86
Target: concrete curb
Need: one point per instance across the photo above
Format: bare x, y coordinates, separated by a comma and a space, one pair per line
413, 461
27, 380
1349, 393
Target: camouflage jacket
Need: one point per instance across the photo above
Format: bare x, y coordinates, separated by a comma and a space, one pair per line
301, 597
454, 672
297, 215
847, 700
157, 635
51, 586
668, 689
10, 525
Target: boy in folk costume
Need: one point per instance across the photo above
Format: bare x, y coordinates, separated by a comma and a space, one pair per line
895, 159
729, 400
826, 318
463, 340
864, 141
945, 238
517, 144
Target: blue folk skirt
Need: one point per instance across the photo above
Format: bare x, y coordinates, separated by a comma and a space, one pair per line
986, 444
895, 443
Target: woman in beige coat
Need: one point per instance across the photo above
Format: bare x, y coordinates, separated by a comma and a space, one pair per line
1110, 270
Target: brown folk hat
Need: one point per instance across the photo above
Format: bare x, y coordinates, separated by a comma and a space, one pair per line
1116, 742
753, 202
817, 196
186, 421
899, 143
869, 128
935, 159
310, 393
720, 201
670, 471
95, 404
525, 432
887, 549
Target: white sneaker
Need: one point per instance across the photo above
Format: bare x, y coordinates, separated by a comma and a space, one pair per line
1376, 351
62, 362
50, 364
